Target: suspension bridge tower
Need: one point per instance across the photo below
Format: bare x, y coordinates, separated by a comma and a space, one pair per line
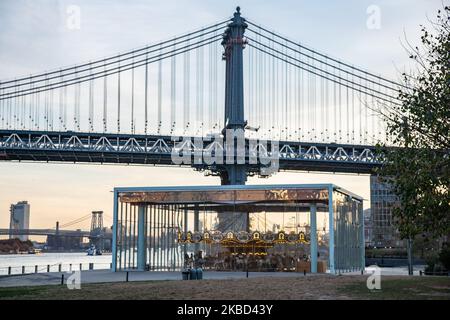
97, 232
234, 127
96, 221
233, 43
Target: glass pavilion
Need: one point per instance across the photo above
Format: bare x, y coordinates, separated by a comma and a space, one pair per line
248, 227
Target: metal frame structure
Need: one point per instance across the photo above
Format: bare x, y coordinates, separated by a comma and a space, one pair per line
141, 214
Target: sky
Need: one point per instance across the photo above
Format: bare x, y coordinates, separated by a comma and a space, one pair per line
38, 35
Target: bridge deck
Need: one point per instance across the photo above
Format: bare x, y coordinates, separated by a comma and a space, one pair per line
76, 147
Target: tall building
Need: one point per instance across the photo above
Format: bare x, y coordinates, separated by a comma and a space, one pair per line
19, 219
368, 232
382, 201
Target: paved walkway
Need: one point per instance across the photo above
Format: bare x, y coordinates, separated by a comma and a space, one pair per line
99, 276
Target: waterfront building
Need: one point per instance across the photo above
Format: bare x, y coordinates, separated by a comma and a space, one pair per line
382, 202
19, 219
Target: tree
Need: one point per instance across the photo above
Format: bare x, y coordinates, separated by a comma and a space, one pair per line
418, 167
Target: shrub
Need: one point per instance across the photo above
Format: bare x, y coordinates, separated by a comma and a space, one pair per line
444, 256
432, 261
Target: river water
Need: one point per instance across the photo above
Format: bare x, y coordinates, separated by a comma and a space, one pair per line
52, 259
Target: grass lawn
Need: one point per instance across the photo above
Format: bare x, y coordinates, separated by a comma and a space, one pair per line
309, 287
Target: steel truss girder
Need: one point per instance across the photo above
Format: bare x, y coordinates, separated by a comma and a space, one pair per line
156, 150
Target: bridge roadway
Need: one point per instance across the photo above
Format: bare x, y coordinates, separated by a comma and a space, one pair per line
83, 147
52, 232
46, 232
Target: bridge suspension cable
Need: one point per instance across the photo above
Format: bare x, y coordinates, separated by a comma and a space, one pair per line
128, 104
13, 83
315, 54
76, 221
119, 68
313, 97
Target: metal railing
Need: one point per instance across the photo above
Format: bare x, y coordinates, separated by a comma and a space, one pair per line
57, 267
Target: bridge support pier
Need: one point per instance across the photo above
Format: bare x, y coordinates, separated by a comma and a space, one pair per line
234, 174
141, 248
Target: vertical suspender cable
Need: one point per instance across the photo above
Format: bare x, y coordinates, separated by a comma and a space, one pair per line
146, 96
366, 129
373, 116
335, 111
2, 110
77, 106
321, 117
172, 92
315, 105
340, 108
32, 104
353, 111
361, 115
159, 92
105, 103
51, 109
215, 85
327, 106
201, 93
197, 90
37, 115
265, 93
210, 88
60, 116
46, 112
118, 101
132, 99
298, 89
297, 96
8, 112
347, 110
91, 105
286, 101
11, 119
249, 83
64, 108
186, 97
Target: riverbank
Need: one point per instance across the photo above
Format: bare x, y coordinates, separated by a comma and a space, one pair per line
15, 246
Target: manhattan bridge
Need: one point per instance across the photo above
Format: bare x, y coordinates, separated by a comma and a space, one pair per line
326, 114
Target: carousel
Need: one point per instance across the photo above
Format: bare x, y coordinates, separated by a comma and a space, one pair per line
253, 251
313, 228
